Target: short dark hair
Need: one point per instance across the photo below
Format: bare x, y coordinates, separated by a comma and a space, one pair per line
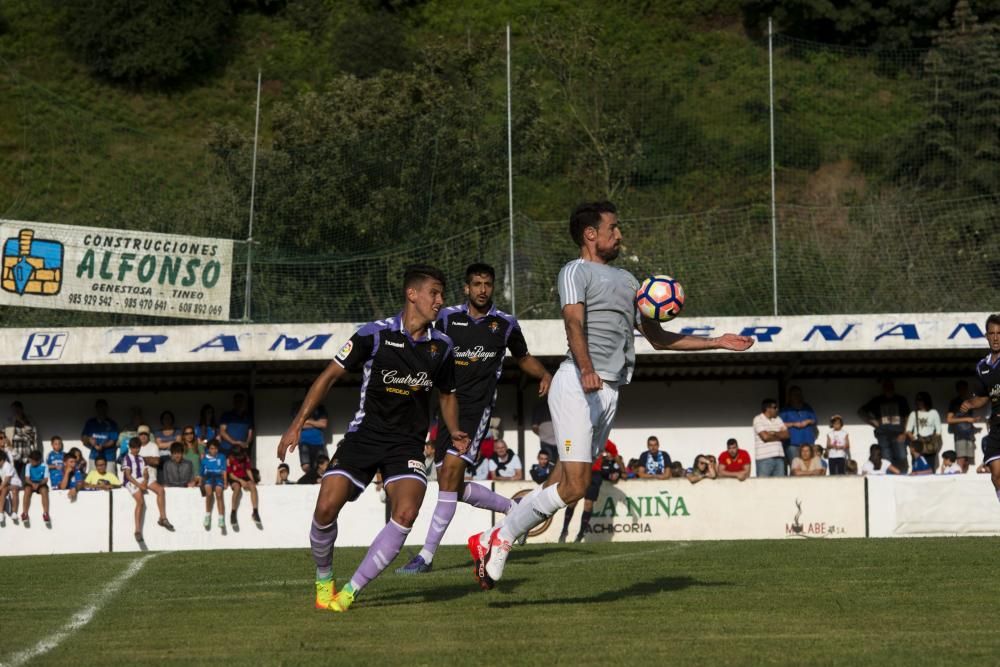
214, 442
949, 455
35, 455
322, 458
768, 402
165, 413
283, 466
177, 448
652, 437
992, 319
479, 269
417, 274
925, 398
134, 442
731, 441
586, 215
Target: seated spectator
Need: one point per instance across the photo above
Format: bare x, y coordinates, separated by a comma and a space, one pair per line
100, 479
734, 462
920, 465
194, 449
481, 470
949, 463
148, 449
282, 477
429, 469
315, 476
10, 485
852, 467
241, 478
36, 480
54, 461
137, 482
178, 472
7, 448
73, 474
653, 463
213, 481
542, 469
100, 435
838, 446
677, 470
81, 463
701, 470
876, 465
505, 464
821, 455
807, 464
769, 431
923, 428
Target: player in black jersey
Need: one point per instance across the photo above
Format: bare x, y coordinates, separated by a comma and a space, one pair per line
482, 334
401, 359
986, 391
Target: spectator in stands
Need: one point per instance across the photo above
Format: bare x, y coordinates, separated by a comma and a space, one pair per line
137, 482
542, 468
541, 425
54, 461
207, 427
480, 471
100, 436
701, 470
282, 476
923, 427
312, 439
838, 446
167, 435
213, 480
36, 480
769, 431
734, 462
852, 467
429, 470
236, 426
608, 467
505, 464
135, 420
101, 478
73, 474
192, 449
81, 462
821, 455
876, 465
23, 435
807, 464
632, 469
10, 485
178, 471
949, 463
315, 476
887, 414
800, 420
920, 464
962, 425
241, 479
653, 463
148, 449
8, 448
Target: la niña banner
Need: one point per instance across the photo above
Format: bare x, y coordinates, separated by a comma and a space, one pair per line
116, 271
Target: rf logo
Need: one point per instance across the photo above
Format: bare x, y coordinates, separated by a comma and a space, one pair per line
44, 346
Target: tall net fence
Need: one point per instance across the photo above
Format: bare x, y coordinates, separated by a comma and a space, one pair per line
886, 176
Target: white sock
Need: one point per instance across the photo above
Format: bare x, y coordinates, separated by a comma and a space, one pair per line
530, 512
484, 538
427, 556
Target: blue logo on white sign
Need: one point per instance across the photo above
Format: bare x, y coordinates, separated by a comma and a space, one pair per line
45, 346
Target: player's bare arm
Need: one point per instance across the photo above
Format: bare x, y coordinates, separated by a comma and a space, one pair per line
573, 320
449, 414
317, 392
661, 339
974, 403
533, 367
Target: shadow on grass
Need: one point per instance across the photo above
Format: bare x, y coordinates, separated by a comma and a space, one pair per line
637, 589
436, 593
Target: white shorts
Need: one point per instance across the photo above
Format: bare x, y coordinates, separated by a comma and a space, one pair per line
582, 422
132, 487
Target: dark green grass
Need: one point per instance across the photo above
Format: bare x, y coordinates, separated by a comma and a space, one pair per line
858, 602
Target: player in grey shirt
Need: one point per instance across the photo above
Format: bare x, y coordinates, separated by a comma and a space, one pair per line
598, 309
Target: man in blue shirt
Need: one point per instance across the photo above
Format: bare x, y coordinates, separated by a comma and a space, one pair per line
236, 426
312, 440
100, 436
800, 419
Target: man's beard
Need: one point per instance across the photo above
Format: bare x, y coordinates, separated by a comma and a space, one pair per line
609, 254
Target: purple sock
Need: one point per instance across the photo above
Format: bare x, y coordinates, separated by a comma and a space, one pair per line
443, 514
382, 552
480, 496
321, 538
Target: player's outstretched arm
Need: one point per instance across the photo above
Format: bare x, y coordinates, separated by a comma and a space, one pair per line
661, 339
317, 392
449, 414
533, 367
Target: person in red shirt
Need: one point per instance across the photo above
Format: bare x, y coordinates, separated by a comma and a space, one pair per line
240, 473
734, 462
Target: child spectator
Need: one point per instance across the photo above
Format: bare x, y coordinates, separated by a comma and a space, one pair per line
838, 446
282, 474
949, 463
631, 470
315, 475
72, 480
137, 476
55, 462
100, 478
178, 471
10, 484
240, 478
213, 479
920, 465
36, 480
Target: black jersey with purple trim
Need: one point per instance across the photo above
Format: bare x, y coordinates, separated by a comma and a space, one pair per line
480, 346
398, 374
987, 383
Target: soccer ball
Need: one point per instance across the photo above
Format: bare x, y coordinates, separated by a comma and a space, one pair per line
660, 298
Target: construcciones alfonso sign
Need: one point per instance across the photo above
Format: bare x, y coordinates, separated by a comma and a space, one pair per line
116, 271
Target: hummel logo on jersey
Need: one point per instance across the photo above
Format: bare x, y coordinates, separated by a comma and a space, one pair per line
458, 323
394, 344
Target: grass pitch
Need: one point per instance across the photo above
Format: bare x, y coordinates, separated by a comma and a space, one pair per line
858, 602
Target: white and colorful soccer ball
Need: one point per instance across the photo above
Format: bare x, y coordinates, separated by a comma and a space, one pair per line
660, 298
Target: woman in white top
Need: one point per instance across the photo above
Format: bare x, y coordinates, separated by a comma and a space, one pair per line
922, 425
10, 483
838, 446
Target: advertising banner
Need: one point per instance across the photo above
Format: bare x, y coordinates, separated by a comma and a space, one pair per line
115, 271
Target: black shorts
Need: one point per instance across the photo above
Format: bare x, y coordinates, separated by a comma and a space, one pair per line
594, 490
358, 460
991, 448
475, 422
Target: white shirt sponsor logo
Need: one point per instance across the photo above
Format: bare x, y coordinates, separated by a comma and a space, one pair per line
477, 352
418, 380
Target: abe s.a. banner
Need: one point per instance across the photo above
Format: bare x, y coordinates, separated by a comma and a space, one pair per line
116, 271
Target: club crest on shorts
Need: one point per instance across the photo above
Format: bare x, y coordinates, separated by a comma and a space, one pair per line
568, 444
345, 350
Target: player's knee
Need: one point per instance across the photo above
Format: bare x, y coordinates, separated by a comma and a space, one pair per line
405, 516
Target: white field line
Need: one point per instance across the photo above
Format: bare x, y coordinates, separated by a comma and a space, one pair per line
80, 619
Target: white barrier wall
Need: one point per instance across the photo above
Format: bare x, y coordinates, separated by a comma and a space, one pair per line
932, 506
79, 527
